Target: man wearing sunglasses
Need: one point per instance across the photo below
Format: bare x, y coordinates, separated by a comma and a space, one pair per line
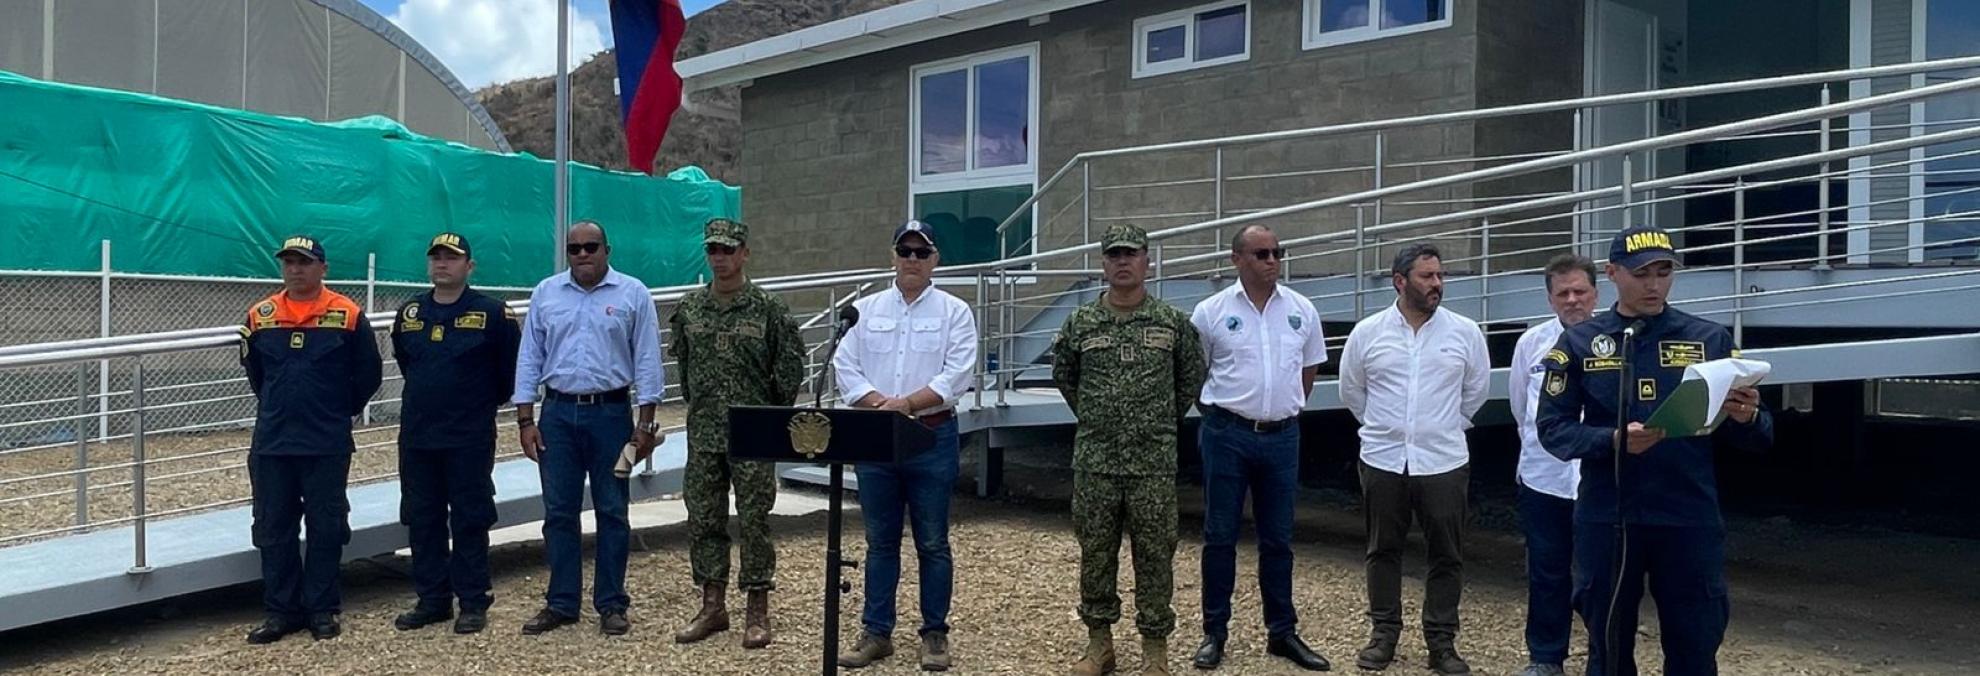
1414, 374
914, 352
1264, 345
591, 341
736, 345
1129, 366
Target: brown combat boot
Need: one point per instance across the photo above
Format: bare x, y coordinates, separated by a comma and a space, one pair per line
756, 620
1154, 656
1099, 657
714, 616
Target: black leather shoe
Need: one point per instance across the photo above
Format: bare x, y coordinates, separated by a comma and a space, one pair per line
1292, 648
471, 622
1446, 662
1378, 654
546, 620
272, 630
1210, 655
324, 627
614, 623
421, 616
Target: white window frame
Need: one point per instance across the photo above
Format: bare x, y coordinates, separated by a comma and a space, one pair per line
1185, 19
972, 177
1313, 38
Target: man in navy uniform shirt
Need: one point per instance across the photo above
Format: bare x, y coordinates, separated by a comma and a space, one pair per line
457, 351
1663, 499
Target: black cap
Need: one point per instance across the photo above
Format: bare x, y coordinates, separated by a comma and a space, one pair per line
1642, 245
302, 244
452, 242
915, 227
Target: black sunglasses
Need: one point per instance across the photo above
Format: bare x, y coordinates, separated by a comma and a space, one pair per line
576, 248
723, 249
918, 252
1268, 254
1121, 252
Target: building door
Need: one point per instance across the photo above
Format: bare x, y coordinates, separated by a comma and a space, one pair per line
1621, 57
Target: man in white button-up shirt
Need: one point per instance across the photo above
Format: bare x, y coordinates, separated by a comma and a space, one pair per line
913, 351
1414, 374
1546, 483
1264, 346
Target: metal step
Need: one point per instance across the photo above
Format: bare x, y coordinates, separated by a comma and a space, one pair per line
1927, 399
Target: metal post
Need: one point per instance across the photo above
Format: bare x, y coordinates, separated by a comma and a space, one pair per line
1158, 269
103, 330
138, 511
1005, 316
1628, 183
1822, 195
1485, 271
1579, 222
1217, 207
1085, 215
982, 343
1360, 260
561, 221
370, 306
1739, 259
82, 444
1380, 142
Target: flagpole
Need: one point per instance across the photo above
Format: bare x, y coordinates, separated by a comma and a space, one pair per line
563, 160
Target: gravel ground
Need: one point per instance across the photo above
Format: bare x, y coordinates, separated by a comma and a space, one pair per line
1016, 591
199, 481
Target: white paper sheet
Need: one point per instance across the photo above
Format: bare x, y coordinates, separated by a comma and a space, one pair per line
1721, 376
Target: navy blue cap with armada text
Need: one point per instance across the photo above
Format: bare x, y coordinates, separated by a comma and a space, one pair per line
1642, 245
452, 242
301, 244
915, 227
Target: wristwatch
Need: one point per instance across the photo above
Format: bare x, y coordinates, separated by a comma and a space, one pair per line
649, 427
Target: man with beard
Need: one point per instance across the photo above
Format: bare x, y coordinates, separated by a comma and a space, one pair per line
1547, 483
1413, 375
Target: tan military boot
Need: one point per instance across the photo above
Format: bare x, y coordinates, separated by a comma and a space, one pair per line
714, 616
1154, 656
1099, 657
756, 620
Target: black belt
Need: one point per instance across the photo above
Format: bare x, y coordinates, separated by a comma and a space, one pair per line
938, 418
618, 396
1258, 426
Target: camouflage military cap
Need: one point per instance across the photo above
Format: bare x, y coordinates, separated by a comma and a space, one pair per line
725, 232
1122, 235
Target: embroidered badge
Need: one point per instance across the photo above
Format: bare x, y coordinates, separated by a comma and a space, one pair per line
1558, 356
471, 320
1680, 353
1293, 321
1602, 345
265, 310
439, 332
1233, 324
412, 312
1646, 389
1556, 383
296, 340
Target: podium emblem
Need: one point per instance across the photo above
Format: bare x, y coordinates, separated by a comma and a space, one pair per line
811, 433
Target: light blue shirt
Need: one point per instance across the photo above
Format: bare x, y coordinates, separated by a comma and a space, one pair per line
585, 342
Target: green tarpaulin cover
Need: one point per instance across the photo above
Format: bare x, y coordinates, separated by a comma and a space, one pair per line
184, 188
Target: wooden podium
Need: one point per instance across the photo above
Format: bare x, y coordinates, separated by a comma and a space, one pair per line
835, 437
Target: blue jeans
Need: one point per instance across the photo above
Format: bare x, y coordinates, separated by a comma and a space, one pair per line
1237, 460
919, 487
583, 442
1548, 522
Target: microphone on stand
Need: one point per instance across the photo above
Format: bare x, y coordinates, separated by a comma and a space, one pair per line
1621, 553
848, 317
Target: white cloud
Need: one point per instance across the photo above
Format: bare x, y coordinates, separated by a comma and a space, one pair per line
490, 41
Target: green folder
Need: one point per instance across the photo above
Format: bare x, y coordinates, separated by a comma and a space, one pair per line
1683, 413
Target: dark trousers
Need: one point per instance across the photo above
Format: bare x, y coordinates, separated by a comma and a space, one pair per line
582, 442
294, 494
1548, 522
1389, 502
917, 490
1686, 567
443, 492
1236, 461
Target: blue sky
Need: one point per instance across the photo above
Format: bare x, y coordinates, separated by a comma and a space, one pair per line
489, 41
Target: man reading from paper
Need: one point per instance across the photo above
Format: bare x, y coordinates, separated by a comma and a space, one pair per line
1665, 496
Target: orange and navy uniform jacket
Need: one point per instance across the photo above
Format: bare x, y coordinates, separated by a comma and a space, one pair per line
312, 366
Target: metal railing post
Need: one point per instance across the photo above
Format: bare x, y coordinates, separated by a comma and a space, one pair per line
1158, 269
371, 305
1822, 194
1217, 205
982, 340
1360, 260
1579, 222
1628, 187
82, 444
1485, 271
103, 329
138, 509
1739, 260
1085, 213
1005, 317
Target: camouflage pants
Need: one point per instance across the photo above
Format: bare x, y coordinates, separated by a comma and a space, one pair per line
705, 489
1105, 505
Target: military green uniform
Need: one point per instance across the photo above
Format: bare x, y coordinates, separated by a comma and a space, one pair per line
1129, 378
743, 350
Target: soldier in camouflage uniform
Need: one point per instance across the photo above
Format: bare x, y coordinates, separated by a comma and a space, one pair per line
1130, 366
737, 346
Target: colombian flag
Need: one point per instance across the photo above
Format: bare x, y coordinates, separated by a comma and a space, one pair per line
645, 34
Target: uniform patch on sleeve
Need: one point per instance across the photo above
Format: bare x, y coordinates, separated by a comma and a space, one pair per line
1556, 383
1558, 356
1096, 343
1158, 338
1680, 353
471, 320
